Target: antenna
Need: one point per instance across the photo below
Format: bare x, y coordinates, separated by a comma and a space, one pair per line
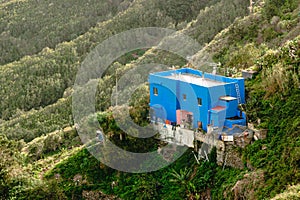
214, 70
215, 67
213, 64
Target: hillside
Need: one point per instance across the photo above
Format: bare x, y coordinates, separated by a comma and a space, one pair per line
48, 83
29, 26
44, 44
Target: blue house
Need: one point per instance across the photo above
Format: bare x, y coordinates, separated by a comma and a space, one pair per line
194, 99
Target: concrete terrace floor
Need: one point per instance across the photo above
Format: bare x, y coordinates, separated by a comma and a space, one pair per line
197, 80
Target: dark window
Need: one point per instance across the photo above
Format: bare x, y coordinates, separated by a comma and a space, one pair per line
199, 101
184, 97
155, 91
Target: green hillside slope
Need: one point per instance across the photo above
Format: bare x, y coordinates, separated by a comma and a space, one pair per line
42, 78
271, 164
50, 72
26, 27
45, 160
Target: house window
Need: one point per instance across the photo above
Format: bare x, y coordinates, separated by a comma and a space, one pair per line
184, 97
199, 101
155, 91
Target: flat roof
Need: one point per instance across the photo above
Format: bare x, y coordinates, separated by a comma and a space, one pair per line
194, 79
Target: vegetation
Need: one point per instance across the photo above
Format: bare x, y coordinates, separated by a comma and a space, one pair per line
44, 43
279, 113
27, 85
291, 193
29, 125
29, 26
212, 20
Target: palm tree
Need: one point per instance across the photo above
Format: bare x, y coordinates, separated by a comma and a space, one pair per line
182, 179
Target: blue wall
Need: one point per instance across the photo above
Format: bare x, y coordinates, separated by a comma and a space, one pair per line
170, 97
231, 107
230, 87
169, 89
193, 92
217, 118
215, 93
166, 97
229, 123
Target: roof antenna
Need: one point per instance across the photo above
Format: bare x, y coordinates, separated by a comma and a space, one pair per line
214, 72
215, 67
